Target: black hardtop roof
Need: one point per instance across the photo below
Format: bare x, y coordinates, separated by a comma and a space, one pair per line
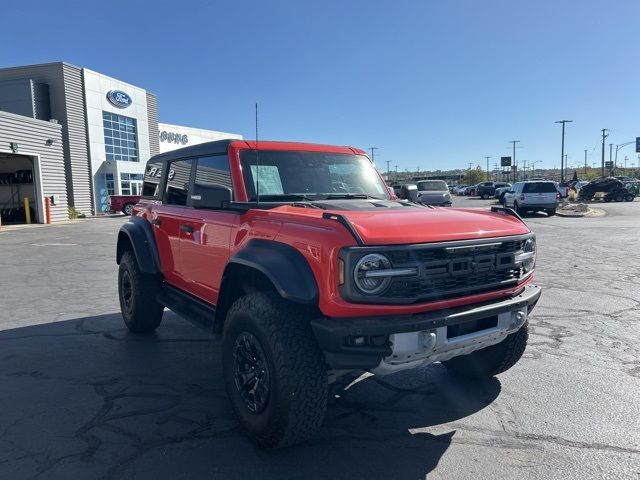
217, 147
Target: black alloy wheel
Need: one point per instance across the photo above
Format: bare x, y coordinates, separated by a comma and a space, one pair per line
251, 372
126, 292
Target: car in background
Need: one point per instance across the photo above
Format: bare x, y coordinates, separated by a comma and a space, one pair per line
396, 190
472, 191
460, 189
500, 191
122, 203
533, 197
488, 189
434, 192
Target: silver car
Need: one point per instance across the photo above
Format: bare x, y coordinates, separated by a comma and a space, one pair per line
434, 192
533, 197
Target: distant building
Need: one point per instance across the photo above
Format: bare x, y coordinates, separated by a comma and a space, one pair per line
109, 129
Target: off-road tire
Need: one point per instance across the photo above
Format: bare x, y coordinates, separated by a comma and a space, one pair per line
141, 313
484, 196
492, 360
127, 209
551, 212
629, 198
297, 398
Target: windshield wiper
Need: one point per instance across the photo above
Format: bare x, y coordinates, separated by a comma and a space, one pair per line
351, 195
286, 197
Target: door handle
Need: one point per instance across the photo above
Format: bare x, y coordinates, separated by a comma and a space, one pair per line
156, 221
186, 228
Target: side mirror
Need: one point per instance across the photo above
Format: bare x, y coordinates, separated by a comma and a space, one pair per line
210, 195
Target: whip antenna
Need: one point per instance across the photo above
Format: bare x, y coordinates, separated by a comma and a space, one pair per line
257, 160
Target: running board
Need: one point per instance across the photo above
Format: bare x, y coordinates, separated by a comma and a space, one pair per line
192, 309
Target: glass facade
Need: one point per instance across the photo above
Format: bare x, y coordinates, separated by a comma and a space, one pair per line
120, 138
110, 184
131, 183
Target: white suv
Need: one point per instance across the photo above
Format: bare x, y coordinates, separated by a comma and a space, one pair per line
533, 197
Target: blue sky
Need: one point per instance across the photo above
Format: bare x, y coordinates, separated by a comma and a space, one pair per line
430, 83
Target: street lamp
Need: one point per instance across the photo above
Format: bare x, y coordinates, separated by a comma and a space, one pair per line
562, 150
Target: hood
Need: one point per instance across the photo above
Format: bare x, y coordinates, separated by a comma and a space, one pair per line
426, 225
398, 223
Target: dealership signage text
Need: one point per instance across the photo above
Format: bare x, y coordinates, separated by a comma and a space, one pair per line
171, 137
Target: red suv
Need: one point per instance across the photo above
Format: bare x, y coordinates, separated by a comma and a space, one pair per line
299, 257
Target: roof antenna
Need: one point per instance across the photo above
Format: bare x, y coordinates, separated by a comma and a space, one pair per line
257, 161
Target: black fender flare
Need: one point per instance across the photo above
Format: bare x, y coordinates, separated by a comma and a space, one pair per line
284, 266
139, 234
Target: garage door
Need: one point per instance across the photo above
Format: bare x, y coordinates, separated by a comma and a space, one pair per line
16, 184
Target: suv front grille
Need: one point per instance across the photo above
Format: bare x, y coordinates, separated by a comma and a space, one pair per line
445, 270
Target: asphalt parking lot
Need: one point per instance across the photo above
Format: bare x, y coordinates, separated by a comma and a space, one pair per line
82, 398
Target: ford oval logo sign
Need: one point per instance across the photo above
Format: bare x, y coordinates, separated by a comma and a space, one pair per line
118, 99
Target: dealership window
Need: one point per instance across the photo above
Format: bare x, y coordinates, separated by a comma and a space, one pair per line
110, 183
120, 140
131, 183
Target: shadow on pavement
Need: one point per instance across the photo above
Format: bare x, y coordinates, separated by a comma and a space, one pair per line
86, 399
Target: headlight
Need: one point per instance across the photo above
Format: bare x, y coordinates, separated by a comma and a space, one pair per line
529, 255
373, 273
369, 273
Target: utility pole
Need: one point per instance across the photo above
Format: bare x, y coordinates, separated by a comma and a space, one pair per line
470, 163
585, 162
515, 164
388, 170
610, 159
604, 136
487, 159
562, 151
373, 149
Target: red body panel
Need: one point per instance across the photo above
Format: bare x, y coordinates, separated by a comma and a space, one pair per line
195, 260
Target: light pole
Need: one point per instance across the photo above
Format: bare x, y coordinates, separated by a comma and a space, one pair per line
562, 151
585, 162
487, 159
605, 134
622, 145
515, 164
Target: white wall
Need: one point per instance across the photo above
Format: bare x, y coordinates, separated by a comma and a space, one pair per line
96, 88
194, 136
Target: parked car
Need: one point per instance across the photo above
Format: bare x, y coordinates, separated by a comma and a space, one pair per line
472, 191
305, 267
122, 203
434, 192
533, 197
488, 189
611, 188
460, 189
500, 191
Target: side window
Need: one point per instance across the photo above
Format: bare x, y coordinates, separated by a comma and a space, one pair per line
152, 175
178, 182
213, 170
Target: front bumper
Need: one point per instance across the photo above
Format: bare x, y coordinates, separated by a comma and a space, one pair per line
365, 343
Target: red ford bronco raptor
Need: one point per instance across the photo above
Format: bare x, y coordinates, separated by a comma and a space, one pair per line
305, 265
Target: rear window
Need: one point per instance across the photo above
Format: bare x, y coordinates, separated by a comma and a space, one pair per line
432, 186
542, 187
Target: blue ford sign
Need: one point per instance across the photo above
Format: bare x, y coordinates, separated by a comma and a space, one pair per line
118, 98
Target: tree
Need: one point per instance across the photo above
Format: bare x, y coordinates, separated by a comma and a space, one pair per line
575, 176
471, 177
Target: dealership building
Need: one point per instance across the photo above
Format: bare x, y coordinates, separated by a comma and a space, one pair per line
76, 136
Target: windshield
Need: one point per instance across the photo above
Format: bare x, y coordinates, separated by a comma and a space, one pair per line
313, 175
432, 186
